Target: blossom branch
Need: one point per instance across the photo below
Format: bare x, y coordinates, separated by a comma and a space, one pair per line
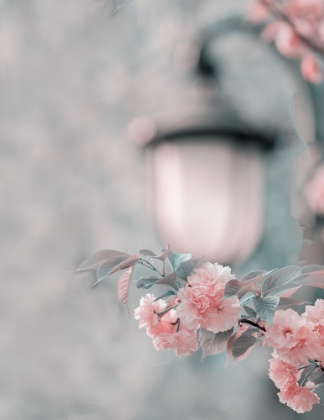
254, 324
208, 309
284, 17
149, 265
166, 310
178, 327
310, 371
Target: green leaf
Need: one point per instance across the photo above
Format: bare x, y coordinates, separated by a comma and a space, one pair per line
170, 279
266, 307
106, 266
247, 300
242, 344
319, 380
163, 256
280, 290
280, 277
186, 268
129, 262
254, 274
125, 263
123, 285
247, 287
146, 282
176, 259
96, 259
312, 281
250, 311
286, 301
313, 269
151, 254
168, 293
147, 253
232, 288
214, 343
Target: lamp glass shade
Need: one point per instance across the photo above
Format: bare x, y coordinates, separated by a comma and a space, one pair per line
207, 197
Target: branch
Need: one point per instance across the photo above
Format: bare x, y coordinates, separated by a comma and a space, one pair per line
278, 14
166, 310
306, 377
254, 324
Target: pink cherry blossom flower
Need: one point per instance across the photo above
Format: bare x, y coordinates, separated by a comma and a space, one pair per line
311, 10
282, 374
193, 304
257, 12
300, 399
308, 346
147, 314
202, 300
270, 32
315, 313
297, 29
182, 342
287, 394
293, 338
223, 316
163, 328
310, 69
283, 332
209, 274
288, 43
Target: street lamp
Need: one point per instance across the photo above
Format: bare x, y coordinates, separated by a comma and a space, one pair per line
220, 185
207, 187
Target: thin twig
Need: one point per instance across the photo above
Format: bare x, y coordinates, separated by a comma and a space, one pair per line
303, 367
178, 327
149, 265
254, 324
311, 370
166, 310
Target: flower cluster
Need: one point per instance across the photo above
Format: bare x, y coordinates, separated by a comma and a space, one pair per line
297, 29
163, 326
199, 304
202, 303
298, 342
204, 306
285, 377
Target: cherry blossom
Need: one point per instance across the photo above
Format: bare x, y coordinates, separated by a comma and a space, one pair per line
163, 326
282, 374
310, 69
315, 313
283, 332
293, 338
147, 312
308, 346
297, 29
205, 306
300, 399
202, 300
182, 342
